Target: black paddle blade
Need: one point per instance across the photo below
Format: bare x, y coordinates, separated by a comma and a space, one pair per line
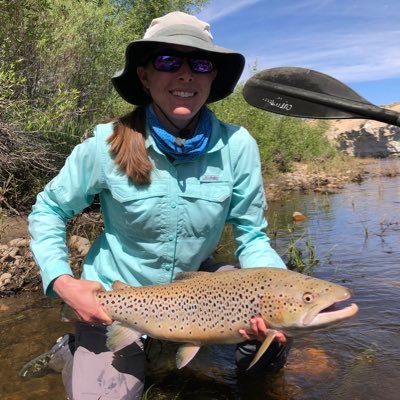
302, 92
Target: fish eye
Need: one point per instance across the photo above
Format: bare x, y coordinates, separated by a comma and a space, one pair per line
308, 297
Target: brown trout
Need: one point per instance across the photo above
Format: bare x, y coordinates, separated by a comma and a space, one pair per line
202, 308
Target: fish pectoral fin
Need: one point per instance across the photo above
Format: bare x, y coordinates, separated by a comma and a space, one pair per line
265, 344
120, 336
185, 354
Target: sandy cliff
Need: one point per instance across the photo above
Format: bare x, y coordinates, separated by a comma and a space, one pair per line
366, 138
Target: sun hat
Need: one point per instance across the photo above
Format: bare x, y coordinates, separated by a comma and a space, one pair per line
177, 28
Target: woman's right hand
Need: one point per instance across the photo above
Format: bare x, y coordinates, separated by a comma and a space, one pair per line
80, 295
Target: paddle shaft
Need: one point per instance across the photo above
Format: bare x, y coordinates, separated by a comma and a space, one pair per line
368, 111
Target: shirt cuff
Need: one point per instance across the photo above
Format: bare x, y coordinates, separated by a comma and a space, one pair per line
50, 274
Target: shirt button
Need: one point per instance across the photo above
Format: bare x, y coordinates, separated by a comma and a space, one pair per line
173, 205
167, 267
171, 238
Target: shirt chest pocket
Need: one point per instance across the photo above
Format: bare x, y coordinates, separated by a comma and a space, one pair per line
140, 208
206, 206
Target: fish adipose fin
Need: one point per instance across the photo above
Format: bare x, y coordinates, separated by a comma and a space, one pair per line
185, 354
265, 344
120, 336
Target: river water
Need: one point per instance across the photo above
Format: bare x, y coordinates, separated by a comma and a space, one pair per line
356, 238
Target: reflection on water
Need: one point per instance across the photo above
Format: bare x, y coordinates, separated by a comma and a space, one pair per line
356, 237
28, 325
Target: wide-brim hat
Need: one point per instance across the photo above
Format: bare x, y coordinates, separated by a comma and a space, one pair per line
177, 28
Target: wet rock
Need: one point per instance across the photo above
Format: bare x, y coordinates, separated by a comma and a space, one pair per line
310, 361
298, 216
79, 244
5, 278
18, 270
326, 190
19, 242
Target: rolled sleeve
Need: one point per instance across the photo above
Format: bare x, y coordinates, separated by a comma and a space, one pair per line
65, 196
248, 205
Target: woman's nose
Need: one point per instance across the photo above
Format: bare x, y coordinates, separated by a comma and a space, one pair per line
185, 72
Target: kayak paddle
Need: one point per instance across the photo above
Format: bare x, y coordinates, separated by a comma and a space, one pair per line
302, 92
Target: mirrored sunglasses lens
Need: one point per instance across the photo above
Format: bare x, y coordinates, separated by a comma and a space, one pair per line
200, 65
167, 63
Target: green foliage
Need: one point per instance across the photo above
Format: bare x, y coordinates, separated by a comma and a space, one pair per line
56, 61
9, 87
31, 99
281, 139
297, 262
3, 224
61, 54
143, 11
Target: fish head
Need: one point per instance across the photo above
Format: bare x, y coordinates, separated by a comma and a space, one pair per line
297, 302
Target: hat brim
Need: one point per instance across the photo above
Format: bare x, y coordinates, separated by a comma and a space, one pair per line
128, 85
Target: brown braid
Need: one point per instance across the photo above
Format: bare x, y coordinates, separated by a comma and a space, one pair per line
127, 146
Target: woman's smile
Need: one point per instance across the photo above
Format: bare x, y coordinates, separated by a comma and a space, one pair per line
183, 94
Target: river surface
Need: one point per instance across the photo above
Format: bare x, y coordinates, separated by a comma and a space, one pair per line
356, 238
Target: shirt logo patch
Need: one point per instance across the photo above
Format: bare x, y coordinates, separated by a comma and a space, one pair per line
210, 178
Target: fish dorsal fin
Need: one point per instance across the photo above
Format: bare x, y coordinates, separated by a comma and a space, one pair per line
185, 354
118, 285
181, 276
120, 336
265, 344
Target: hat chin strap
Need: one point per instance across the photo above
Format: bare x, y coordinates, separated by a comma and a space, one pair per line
185, 131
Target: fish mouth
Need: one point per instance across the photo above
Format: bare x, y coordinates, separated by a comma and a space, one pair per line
330, 314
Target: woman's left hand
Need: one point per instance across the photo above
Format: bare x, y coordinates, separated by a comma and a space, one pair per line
259, 331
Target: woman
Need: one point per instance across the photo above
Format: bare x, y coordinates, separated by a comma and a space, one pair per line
169, 175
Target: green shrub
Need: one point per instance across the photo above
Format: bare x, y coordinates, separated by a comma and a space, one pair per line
281, 139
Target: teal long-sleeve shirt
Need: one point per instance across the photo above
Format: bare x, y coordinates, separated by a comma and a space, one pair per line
154, 231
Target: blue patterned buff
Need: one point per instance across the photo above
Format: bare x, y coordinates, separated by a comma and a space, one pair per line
182, 149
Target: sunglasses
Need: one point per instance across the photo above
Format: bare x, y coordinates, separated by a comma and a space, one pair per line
172, 62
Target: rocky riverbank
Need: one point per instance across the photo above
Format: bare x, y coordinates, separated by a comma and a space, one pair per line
18, 270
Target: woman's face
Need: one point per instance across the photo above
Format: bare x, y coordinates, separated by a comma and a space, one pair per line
179, 94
